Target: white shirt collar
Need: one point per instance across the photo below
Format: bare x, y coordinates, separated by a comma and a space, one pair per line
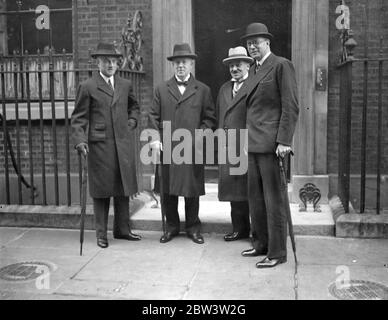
186, 79
264, 58
112, 81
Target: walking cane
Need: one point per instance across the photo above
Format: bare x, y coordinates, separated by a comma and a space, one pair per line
160, 175
289, 220
83, 199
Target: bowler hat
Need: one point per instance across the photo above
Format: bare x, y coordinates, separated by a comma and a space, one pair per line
257, 30
107, 50
238, 53
182, 50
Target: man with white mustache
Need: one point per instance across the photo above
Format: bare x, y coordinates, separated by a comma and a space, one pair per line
231, 116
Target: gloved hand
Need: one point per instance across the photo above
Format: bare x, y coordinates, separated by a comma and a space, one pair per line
132, 124
282, 150
82, 148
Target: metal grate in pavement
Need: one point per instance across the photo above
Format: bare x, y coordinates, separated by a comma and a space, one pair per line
359, 290
23, 271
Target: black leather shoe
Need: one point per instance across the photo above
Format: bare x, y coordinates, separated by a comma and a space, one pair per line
270, 263
196, 237
235, 236
102, 242
130, 237
253, 253
168, 236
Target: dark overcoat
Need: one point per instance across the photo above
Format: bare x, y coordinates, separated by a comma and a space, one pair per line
192, 110
231, 114
100, 119
272, 105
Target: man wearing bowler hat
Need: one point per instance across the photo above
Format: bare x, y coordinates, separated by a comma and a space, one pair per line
231, 116
272, 113
105, 113
182, 102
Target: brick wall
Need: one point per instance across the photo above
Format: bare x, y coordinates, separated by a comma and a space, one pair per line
114, 15
368, 20
36, 148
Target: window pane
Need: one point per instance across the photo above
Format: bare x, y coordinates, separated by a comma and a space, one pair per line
24, 35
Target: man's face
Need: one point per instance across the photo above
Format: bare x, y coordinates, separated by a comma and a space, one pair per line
108, 65
182, 67
257, 47
238, 69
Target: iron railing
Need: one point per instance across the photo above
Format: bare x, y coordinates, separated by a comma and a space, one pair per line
37, 97
361, 153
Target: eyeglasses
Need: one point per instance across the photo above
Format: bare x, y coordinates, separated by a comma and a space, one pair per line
255, 43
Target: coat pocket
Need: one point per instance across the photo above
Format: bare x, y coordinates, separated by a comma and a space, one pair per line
98, 132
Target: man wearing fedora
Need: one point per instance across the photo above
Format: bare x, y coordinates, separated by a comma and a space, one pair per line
272, 113
231, 115
184, 103
105, 112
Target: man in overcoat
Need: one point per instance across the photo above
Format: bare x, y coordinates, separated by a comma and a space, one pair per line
182, 102
231, 116
272, 113
105, 113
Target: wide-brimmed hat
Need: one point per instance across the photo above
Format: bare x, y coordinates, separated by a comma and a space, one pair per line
107, 50
257, 30
238, 53
182, 50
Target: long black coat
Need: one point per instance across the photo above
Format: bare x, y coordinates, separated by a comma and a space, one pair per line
192, 110
100, 119
231, 114
272, 105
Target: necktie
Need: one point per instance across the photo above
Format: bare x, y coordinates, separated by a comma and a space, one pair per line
182, 83
110, 84
258, 66
236, 86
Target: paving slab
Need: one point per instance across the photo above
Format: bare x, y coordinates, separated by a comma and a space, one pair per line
342, 251
121, 290
10, 234
65, 264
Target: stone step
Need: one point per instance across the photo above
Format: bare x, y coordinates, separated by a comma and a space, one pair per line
146, 215
215, 217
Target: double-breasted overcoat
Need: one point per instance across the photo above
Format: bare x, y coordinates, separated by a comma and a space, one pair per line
192, 110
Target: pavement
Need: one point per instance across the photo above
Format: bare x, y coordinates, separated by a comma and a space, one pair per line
183, 270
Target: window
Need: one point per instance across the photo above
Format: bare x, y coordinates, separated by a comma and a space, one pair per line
24, 34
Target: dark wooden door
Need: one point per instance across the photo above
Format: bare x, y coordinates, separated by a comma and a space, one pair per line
219, 24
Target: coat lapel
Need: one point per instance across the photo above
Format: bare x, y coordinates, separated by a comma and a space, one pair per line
173, 89
254, 79
102, 85
228, 93
191, 89
238, 97
118, 89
